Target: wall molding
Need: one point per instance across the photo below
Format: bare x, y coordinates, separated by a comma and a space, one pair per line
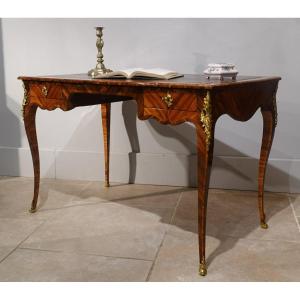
229, 172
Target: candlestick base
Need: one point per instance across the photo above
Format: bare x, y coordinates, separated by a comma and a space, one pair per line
96, 72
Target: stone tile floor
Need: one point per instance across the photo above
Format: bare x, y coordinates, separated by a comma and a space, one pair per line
85, 232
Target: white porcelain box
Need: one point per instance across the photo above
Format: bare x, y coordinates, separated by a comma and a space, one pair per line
221, 70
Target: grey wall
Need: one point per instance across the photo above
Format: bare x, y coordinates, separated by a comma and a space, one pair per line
71, 142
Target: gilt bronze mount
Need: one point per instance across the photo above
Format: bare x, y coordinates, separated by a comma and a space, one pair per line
205, 118
202, 269
168, 99
264, 225
25, 101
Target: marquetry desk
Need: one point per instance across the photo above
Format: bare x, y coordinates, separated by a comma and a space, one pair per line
191, 98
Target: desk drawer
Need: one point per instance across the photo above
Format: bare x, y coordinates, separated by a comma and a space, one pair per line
46, 91
166, 99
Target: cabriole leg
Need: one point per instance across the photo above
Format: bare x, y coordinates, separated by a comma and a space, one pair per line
29, 112
205, 155
105, 113
269, 121
205, 143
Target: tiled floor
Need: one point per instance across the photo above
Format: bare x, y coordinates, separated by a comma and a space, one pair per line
85, 232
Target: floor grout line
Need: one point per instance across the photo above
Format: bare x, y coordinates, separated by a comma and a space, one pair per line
163, 239
17, 246
254, 239
102, 201
95, 203
84, 186
294, 213
85, 254
55, 158
175, 209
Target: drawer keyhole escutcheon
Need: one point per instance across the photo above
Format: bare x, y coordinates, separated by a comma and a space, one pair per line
168, 100
44, 91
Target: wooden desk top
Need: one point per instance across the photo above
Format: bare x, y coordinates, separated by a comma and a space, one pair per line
189, 81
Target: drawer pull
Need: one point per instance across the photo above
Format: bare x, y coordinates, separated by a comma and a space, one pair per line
44, 91
168, 100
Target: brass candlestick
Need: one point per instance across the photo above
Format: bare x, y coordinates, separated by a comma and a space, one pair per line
100, 68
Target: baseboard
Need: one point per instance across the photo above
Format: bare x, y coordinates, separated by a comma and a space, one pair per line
18, 162
229, 172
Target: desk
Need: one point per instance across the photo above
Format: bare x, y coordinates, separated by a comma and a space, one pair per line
191, 98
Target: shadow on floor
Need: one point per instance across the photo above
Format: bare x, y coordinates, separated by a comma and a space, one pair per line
185, 134
217, 209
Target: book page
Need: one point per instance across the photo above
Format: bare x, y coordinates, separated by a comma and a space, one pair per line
144, 72
129, 73
115, 74
159, 71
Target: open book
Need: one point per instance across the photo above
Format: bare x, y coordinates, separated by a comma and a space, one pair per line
157, 73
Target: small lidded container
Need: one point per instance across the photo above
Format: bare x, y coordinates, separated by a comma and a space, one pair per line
221, 70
